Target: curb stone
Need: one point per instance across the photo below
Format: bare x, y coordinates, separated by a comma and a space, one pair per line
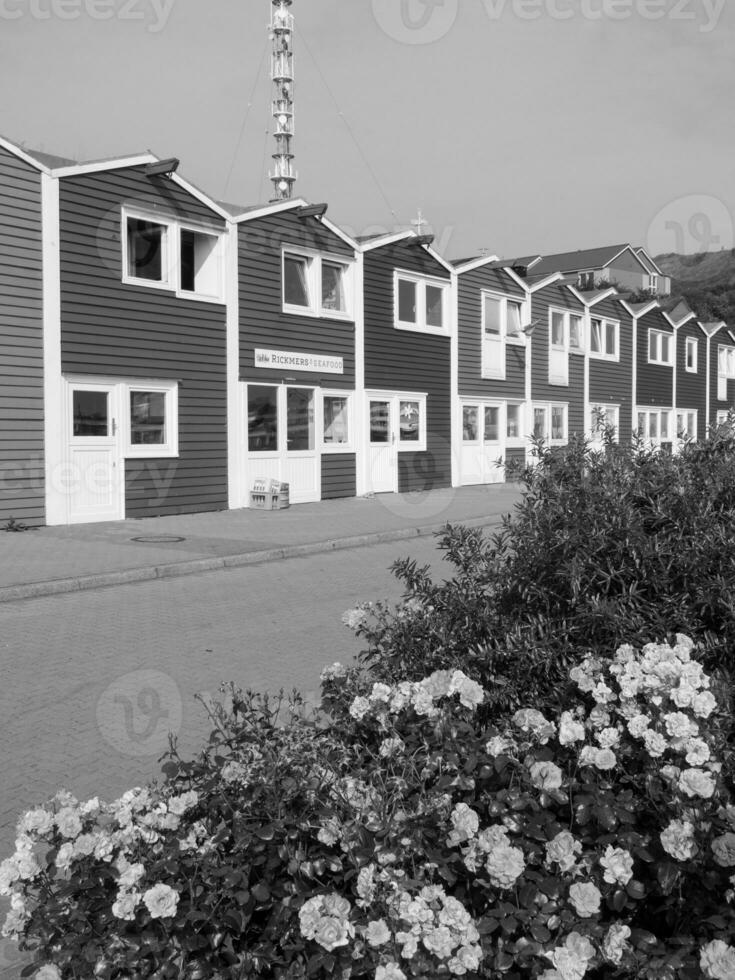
102, 580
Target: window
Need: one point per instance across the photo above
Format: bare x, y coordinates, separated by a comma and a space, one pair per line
576, 332
558, 347
723, 418
550, 423
660, 347
152, 420
492, 424
170, 255
501, 323
409, 421
513, 420
200, 263
691, 354
686, 425
654, 427
604, 335
420, 304
586, 280
336, 428
603, 417
315, 285
262, 418
299, 420
470, 423
147, 250
725, 370
90, 412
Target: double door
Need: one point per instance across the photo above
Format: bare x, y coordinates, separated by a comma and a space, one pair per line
395, 423
482, 449
282, 441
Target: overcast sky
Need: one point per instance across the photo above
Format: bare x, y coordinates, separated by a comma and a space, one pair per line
517, 126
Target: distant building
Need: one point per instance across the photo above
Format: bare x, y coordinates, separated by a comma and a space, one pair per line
629, 268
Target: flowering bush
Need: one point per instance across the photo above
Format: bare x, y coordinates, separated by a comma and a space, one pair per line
406, 835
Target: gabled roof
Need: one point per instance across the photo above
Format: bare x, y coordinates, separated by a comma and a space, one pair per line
583, 260
50, 160
647, 260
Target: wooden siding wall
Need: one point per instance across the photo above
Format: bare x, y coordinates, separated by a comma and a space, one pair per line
339, 475
118, 330
691, 387
471, 383
611, 382
262, 320
655, 382
406, 360
560, 298
575, 395
22, 483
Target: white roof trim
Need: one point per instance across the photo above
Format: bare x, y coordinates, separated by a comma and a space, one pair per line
435, 255
646, 309
199, 195
655, 265
626, 248
685, 319
387, 239
117, 164
514, 275
554, 277
274, 208
335, 229
16, 151
475, 263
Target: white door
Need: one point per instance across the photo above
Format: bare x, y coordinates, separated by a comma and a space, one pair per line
482, 443
94, 485
382, 449
282, 439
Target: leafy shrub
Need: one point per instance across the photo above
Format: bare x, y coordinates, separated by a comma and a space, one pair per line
611, 547
407, 838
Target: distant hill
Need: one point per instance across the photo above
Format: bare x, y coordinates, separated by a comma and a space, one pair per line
705, 280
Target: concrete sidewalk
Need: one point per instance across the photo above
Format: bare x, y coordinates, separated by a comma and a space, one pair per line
53, 560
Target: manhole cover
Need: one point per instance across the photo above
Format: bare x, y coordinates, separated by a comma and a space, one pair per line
158, 539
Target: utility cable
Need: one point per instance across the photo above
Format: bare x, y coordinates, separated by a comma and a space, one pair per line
349, 128
247, 114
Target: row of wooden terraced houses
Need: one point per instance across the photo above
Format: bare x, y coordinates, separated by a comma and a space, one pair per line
160, 351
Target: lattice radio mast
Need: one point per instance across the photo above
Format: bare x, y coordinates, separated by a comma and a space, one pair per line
283, 175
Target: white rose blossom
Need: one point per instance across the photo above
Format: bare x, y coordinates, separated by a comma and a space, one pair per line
562, 850
161, 901
678, 840
615, 942
697, 782
717, 960
377, 933
723, 849
618, 865
585, 897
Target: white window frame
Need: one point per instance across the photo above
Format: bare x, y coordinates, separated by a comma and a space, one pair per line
469, 406
336, 448
657, 335
561, 350
170, 447
421, 282
604, 355
488, 369
657, 441
519, 441
691, 414
548, 408
314, 261
691, 345
725, 369
169, 251
415, 446
611, 411
577, 348
722, 417
171, 257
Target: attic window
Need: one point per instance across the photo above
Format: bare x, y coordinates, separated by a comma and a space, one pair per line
147, 241
200, 270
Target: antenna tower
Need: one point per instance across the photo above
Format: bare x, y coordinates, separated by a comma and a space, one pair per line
283, 175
